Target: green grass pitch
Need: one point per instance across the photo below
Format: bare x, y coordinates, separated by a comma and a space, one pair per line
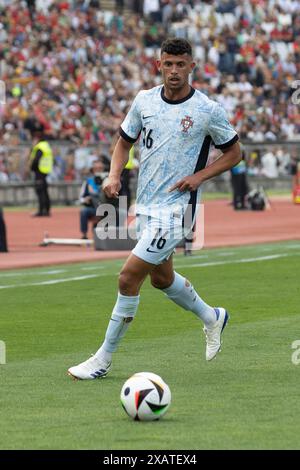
247, 398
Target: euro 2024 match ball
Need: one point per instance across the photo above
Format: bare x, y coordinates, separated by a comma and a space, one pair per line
145, 396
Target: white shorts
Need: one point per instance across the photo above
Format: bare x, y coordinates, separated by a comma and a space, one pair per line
158, 237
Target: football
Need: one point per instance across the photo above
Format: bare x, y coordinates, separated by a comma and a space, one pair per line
145, 396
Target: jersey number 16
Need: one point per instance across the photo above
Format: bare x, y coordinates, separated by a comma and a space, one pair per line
147, 139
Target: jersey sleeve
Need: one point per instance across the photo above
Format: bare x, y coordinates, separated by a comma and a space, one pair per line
131, 126
220, 129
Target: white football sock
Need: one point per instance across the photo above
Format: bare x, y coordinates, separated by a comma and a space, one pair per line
183, 293
123, 313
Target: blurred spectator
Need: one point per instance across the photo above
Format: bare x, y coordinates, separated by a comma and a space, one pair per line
31, 8
269, 165
283, 161
90, 196
3, 242
152, 10
75, 68
239, 184
295, 170
3, 177
137, 6
70, 174
253, 163
119, 5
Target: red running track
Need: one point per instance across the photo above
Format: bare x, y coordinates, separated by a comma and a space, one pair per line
223, 227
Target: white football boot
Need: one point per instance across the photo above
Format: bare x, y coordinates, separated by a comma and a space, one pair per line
93, 368
213, 333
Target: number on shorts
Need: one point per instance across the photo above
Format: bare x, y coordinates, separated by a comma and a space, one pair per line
159, 242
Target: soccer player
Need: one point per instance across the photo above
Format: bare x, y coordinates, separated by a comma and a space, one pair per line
176, 125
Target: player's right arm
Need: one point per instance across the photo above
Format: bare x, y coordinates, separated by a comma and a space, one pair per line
118, 161
129, 132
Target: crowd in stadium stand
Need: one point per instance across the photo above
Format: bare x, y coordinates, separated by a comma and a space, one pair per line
76, 68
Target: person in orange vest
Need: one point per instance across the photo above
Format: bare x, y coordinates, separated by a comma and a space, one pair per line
41, 164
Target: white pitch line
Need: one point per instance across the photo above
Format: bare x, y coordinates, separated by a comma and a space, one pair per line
91, 268
53, 281
199, 256
280, 247
226, 253
237, 261
32, 273
209, 255
194, 265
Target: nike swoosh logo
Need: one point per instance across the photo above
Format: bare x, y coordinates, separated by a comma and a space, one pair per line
151, 251
145, 117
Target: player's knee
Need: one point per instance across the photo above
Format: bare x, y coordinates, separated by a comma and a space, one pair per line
161, 282
127, 283
124, 281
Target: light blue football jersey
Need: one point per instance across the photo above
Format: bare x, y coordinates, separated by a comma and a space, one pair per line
175, 138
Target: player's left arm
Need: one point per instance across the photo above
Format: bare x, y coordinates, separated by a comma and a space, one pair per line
230, 157
224, 138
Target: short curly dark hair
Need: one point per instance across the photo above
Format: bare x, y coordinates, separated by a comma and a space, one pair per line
176, 46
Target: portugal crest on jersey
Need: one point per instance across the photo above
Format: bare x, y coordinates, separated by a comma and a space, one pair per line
186, 123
